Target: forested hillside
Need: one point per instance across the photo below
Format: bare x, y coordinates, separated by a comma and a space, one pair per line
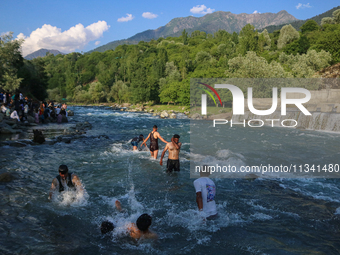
160, 70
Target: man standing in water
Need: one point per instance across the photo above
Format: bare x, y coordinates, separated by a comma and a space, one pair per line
65, 181
173, 159
205, 193
154, 135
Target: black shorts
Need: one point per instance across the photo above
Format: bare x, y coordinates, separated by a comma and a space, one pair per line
172, 164
154, 147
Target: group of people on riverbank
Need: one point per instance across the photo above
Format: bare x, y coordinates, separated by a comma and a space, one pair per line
205, 188
18, 107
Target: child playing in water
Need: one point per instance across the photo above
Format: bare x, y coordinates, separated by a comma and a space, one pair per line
137, 231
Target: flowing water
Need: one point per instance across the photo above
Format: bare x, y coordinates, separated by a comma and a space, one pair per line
264, 216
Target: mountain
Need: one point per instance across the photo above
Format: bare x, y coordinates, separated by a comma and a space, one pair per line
297, 24
209, 23
42, 53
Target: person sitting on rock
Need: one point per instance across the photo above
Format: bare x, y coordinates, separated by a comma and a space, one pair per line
65, 181
14, 115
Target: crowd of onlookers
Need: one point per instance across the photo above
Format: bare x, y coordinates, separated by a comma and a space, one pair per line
18, 107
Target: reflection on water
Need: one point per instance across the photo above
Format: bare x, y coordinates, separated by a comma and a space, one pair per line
279, 216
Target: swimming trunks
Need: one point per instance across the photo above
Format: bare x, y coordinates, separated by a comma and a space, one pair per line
172, 164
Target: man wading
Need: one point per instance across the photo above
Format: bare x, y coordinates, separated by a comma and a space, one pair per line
174, 147
65, 181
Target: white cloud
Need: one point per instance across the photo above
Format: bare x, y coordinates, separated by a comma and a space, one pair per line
49, 37
97, 42
127, 18
256, 12
149, 15
302, 6
201, 9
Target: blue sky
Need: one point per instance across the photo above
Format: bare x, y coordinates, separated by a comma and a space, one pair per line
81, 25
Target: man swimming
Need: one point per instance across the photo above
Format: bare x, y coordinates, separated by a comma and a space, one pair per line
154, 135
136, 140
173, 159
137, 231
65, 181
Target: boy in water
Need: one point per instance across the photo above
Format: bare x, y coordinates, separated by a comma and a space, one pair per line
137, 231
136, 140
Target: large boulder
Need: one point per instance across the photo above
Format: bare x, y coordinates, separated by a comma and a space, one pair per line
70, 113
38, 136
30, 119
173, 116
7, 130
164, 114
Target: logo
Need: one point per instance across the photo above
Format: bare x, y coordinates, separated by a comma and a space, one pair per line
239, 102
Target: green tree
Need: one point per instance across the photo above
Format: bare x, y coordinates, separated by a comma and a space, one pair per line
248, 39
327, 20
287, 35
10, 61
253, 66
309, 26
185, 37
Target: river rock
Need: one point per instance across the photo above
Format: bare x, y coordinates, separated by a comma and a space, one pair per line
17, 144
38, 136
7, 130
30, 119
126, 105
196, 116
173, 116
10, 121
6, 177
64, 118
164, 114
70, 113
151, 110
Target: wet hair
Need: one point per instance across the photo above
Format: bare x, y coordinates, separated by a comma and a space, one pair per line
63, 169
154, 126
143, 222
106, 227
176, 136
141, 135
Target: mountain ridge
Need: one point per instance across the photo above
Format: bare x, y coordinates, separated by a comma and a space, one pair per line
208, 23
42, 53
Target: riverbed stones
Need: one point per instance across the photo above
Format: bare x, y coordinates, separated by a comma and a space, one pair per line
30, 119
196, 116
6, 177
70, 113
164, 114
173, 116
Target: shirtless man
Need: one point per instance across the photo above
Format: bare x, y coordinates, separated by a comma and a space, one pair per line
174, 148
138, 230
154, 135
65, 180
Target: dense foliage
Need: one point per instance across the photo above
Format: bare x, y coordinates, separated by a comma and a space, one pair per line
160, 70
